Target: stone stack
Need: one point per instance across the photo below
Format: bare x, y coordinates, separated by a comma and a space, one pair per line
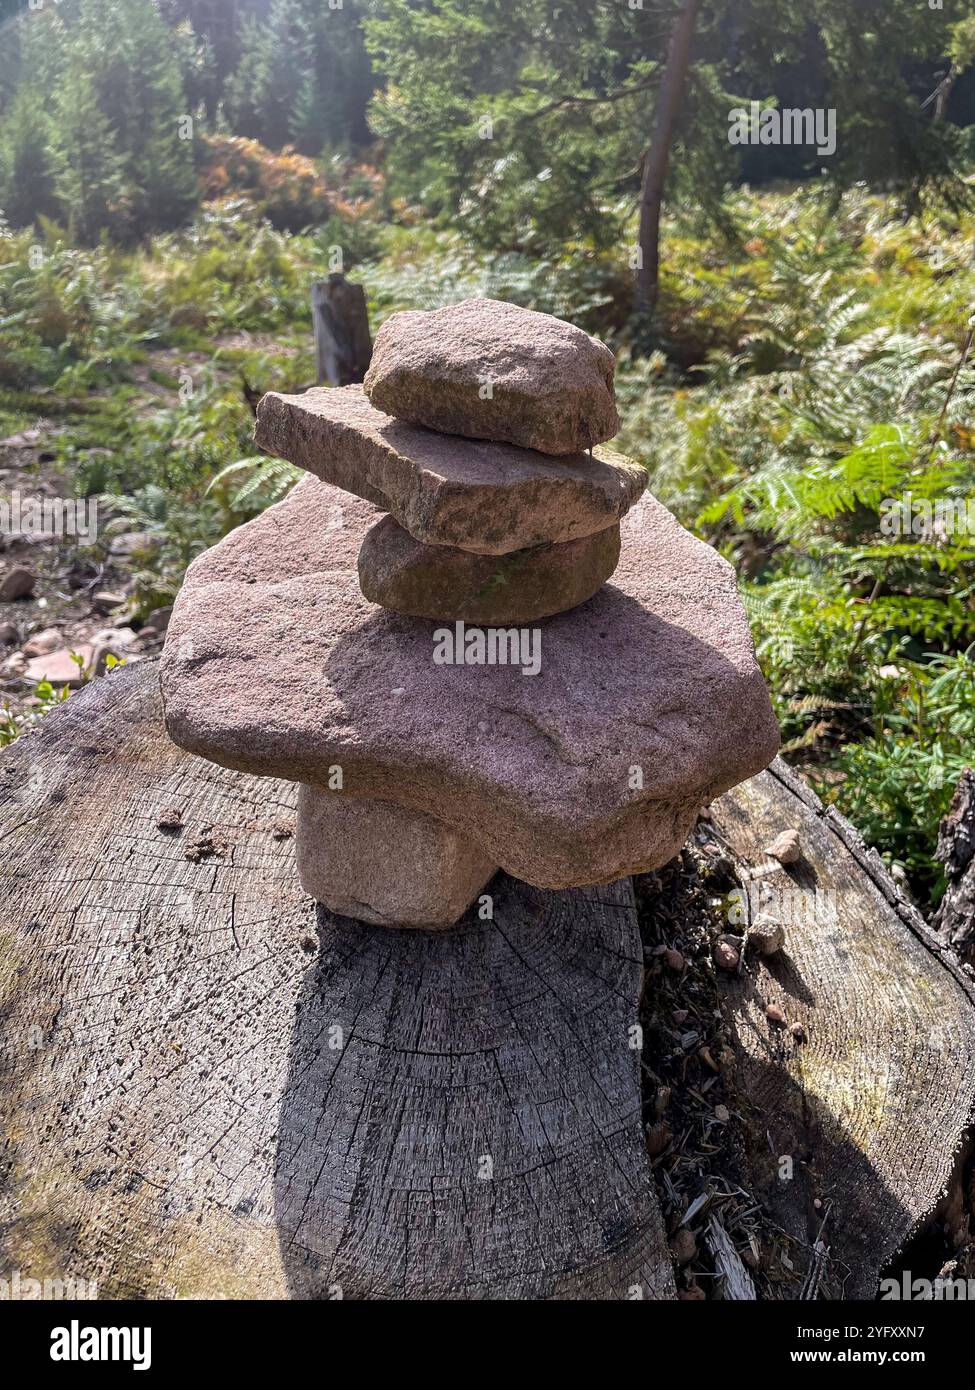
302, 646
475, 431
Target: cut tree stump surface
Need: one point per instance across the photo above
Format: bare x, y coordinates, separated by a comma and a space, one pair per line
211, 1088
871, 1108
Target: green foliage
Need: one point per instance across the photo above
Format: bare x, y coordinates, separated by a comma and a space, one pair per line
249, 485
898, 782
87, 167
303, 77
26, 172
526, 127
828, 402
13, 724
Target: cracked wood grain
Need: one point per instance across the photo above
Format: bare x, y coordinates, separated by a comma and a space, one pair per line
872, 1107
210, 1088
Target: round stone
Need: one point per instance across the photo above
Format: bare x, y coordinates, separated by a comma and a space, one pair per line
492, 370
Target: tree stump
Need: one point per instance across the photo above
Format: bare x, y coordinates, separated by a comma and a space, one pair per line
870, 1109
954, 921
210, 1088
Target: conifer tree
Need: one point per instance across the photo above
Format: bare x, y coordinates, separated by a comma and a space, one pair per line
26, 173
85, 158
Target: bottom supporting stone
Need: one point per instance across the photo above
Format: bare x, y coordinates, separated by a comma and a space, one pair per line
383, 864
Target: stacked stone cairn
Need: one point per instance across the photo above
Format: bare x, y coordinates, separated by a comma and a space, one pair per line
473, 431
477, 435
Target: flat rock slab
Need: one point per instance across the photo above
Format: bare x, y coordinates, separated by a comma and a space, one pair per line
437, 581
383, 864
648, 701
487, 498
491, 370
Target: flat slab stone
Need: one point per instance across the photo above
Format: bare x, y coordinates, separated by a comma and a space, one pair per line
648, 701
492, 370
487, 498
437, 581
383, 864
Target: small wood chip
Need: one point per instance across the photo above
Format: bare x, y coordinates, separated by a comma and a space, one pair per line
736, 1282
658, 1137
169, 818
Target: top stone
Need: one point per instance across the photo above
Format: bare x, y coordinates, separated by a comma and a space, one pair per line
485, 369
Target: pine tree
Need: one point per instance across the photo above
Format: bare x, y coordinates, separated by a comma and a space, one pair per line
137, 80
85, 158
303, 78
26, 175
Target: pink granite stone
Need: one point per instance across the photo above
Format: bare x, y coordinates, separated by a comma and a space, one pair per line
647, 704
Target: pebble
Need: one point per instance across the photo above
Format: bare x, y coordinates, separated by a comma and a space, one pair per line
684, 1246
16, 583
785, 847
725, 956
107, 599
767, 938
775, 1016
44, 642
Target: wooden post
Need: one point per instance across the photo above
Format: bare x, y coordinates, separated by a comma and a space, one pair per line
343, 346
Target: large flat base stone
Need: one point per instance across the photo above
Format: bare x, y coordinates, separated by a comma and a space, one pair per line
647, 700
383, 864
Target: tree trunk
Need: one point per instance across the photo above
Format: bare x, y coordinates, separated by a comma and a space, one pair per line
945, 89
343, 347
871, 1108
657, 158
